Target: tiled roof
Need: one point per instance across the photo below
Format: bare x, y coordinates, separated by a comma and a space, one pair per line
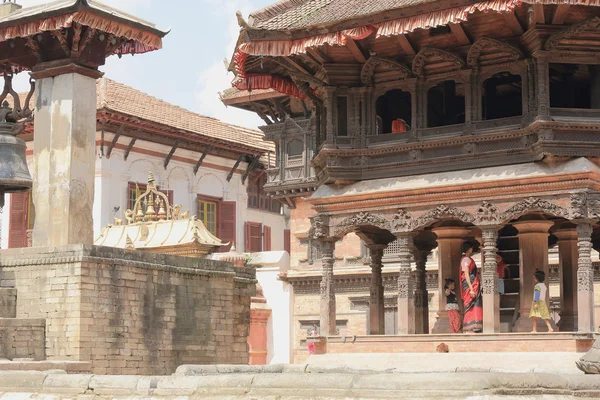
121, 98
298, 14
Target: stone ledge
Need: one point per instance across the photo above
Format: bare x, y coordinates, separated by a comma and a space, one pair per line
71, 367
234, 384
22, 322
31, 256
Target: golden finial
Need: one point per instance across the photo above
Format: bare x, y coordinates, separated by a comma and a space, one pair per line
232, 247
150, 177
150, 212
129, 243
162, 214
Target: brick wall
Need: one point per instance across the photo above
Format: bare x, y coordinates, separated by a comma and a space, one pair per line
131, 312
22, 338
299, 226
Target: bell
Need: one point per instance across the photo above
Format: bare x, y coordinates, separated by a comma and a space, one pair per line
14, 174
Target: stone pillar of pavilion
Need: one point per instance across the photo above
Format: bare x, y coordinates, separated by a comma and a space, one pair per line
258, 335
450, 240
568, 255
491, 297
406, 305
327, 319
533, 255
376, 299
421, 296
64, 58
585, 278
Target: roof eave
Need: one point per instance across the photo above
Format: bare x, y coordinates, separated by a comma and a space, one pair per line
82, 5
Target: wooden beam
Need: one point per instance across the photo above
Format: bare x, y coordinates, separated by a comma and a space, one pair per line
513, 23
261, 114
355, 50
202, 157
251, 166
319, 55
130, 146
459, 34
170, 155
235, 166
114, 141
560, 14
297, 66
406, 46
538, 15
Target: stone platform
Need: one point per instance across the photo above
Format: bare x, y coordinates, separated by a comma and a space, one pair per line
501, 342
294, 382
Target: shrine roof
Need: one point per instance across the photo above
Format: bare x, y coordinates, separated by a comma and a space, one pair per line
60, 7
120, 98
298, 14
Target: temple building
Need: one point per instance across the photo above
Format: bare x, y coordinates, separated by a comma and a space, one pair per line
402, 129
207, 168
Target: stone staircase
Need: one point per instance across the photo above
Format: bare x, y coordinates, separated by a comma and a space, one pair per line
508, 248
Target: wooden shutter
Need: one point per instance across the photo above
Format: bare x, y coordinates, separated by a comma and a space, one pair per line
226, 224
267, 238
17, 227
253, 237
287, 241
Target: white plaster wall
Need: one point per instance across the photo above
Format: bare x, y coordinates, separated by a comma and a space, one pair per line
114, 173
279, 298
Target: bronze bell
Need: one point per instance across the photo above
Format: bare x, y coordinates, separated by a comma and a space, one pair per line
14, 174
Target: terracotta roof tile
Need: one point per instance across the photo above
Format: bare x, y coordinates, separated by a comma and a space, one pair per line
123, 99
298, 14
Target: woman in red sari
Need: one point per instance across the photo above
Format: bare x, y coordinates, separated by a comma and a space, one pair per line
470, 283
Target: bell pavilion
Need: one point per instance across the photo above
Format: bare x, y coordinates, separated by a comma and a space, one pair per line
410, 127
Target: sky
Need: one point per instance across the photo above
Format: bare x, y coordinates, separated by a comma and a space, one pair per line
188, 71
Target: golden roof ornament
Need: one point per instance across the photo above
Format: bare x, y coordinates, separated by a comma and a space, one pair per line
166, 231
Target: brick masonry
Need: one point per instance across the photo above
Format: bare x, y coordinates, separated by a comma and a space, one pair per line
130, 312
22, 338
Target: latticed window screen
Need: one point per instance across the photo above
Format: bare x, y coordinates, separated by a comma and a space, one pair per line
392, 249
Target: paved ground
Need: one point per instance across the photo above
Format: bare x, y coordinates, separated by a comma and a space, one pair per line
294, 383
554, 363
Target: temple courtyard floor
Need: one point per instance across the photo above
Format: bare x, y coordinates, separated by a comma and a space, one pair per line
547, 375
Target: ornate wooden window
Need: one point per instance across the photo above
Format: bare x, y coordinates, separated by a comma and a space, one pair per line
342, 115
502, 96
257, 198
572, 86
446, 104
135, 190
393, 111
219, 217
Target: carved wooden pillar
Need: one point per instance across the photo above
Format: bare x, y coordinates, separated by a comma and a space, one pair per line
421, 105
531, 92
327, 320
542, 89
491, 298
330, 115
533, 254
376, 303
406, 307
476, 90
421, 295
449, 240
412, 87
585, 279
467, 77
369, 109
568, 255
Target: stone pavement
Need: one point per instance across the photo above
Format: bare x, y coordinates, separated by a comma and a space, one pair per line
295, 382
547, 362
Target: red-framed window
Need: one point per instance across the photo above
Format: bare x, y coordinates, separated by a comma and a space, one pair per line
20, 219
253, 237
219, 218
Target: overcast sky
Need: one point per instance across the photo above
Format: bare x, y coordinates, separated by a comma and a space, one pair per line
188, 70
